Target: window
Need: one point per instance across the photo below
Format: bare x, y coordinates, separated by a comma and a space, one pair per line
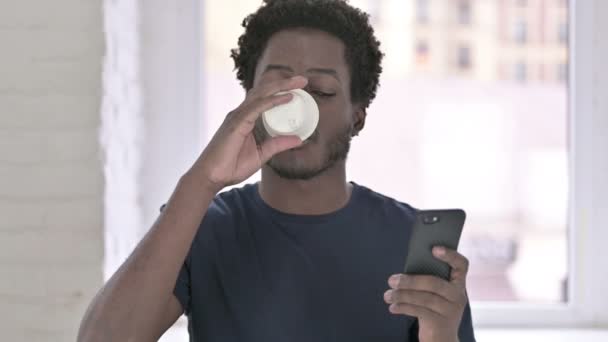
464, 12
422, 52
520, 31
466, 142
422, 11
506, 286
562, 72
464, 57
520, 72
562, 33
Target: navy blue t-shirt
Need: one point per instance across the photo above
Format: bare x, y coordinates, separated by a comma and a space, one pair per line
256, 274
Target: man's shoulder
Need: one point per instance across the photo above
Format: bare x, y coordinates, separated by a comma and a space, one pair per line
231, 202
382, 203
377, 198
224, 215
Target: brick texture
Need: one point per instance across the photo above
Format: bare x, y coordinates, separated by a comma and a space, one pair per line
51, 180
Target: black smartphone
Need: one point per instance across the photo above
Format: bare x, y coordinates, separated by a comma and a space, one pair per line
433, 228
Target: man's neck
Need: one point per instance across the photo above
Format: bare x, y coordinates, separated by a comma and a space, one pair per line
323, 194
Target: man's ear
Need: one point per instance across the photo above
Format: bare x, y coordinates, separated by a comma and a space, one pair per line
359, 119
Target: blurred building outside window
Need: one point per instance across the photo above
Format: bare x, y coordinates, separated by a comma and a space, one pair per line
481, 140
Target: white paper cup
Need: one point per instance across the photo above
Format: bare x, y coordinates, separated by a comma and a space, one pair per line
298, 117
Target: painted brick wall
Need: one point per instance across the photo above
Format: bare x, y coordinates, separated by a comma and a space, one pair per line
51, 182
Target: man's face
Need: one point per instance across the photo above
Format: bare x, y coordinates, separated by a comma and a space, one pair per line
319, 57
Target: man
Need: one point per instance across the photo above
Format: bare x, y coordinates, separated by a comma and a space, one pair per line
302, 255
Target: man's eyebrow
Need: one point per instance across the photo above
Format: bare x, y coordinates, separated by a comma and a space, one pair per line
277, 67
326, 71
330, 72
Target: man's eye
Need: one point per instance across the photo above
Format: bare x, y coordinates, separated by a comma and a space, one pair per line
321, 94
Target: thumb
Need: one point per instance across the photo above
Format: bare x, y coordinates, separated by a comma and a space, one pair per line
278, 144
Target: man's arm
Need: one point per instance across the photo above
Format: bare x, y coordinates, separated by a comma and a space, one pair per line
137, 303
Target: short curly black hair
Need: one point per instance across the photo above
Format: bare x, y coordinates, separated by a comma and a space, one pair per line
335, 17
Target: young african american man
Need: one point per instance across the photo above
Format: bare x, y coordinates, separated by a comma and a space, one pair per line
303, 255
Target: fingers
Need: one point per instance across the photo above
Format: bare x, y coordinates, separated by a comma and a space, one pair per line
253, 110
436, 304
262, 99
426, 283
425, 297
243, 119
276, 145
271, 88
459, 263
413, 310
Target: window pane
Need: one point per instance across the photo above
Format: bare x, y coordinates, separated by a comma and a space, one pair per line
520, 31
422, 52
422, 11
520, 72
464, 12
563, 33
437, 137
464, 57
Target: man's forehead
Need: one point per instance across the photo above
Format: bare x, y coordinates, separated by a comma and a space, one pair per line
306, 49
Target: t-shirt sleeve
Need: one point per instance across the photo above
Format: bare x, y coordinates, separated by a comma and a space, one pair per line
195, 270
182, 285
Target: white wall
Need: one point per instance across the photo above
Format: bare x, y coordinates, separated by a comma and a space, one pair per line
122, 131
51, 184
71, 96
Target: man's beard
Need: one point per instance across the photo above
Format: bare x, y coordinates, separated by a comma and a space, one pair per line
335, 151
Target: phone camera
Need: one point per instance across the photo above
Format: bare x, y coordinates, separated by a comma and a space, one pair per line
430, 219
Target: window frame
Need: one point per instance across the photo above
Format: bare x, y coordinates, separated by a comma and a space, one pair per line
588, 156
